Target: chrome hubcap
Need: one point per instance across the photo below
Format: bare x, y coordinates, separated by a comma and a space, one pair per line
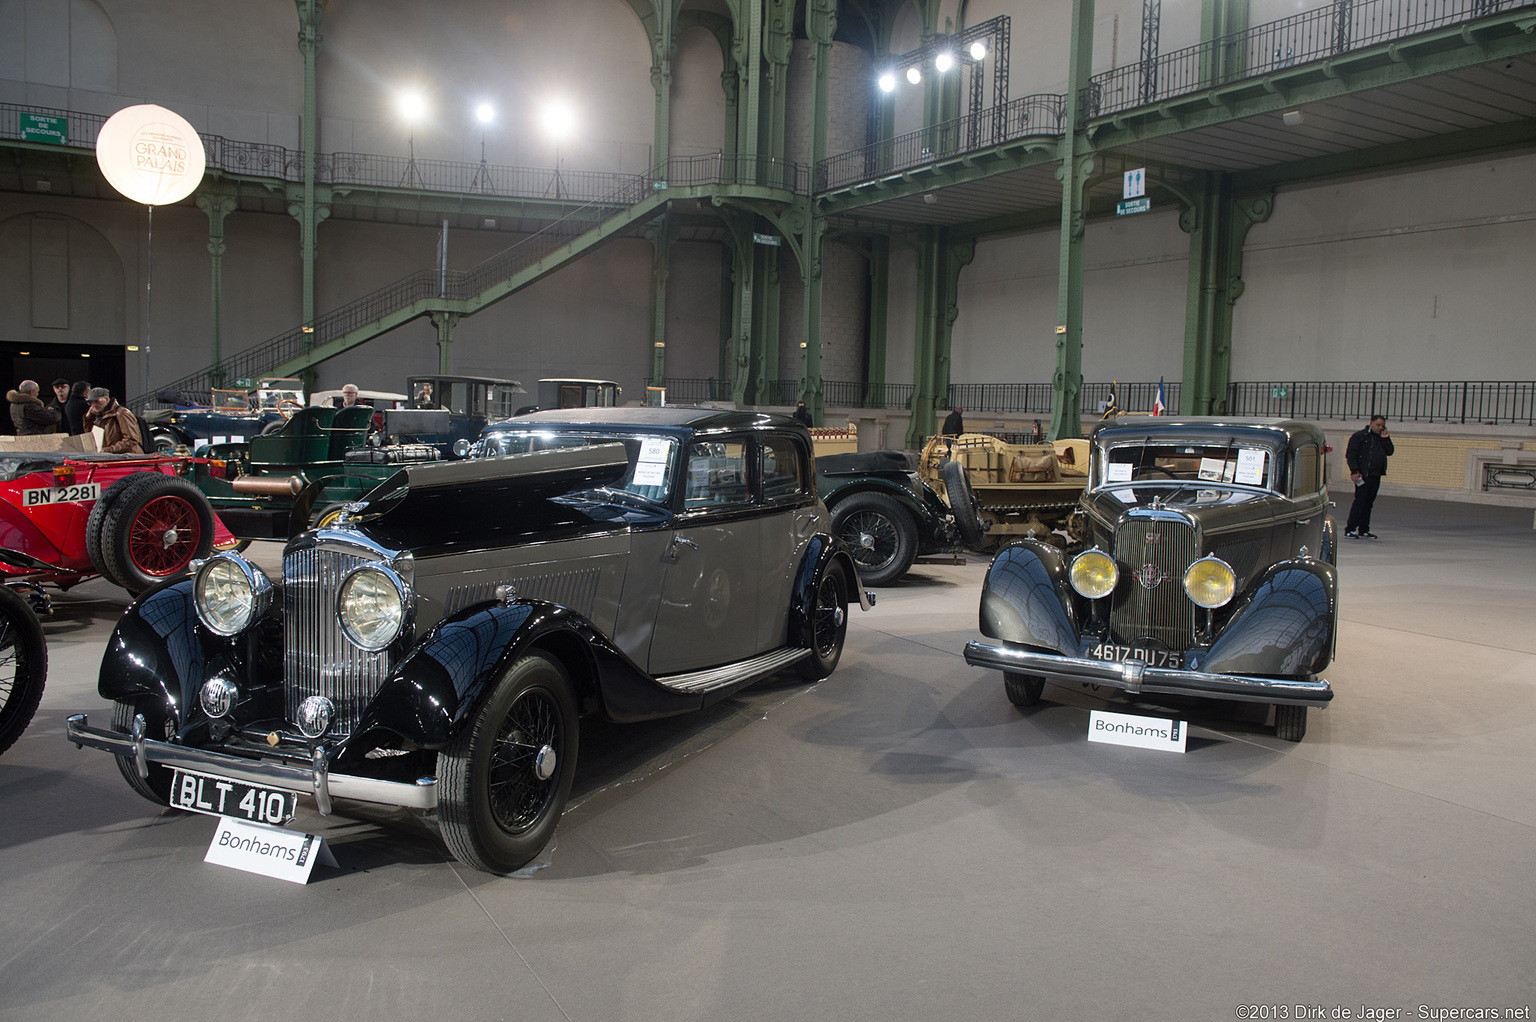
544, 762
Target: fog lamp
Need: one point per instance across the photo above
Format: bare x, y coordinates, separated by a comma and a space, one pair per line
1210, 582
315, 716
1094, 574
218, 697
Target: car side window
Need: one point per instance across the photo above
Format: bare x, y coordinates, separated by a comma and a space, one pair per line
717, 474
783, 478
1304, 471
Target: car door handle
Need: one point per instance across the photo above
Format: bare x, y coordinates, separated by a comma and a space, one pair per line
804, 523
1304, 521
674, 548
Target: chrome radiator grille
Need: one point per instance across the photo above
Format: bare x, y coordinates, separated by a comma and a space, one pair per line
317, 658
1151, 603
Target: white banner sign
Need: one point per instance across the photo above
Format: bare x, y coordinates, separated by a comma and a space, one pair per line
1137, 732
271, 851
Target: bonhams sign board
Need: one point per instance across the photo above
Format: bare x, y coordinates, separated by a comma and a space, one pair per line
150, 154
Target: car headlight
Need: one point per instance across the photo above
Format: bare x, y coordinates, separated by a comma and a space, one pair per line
230, 593
371, 606
1094, 574
1210, 582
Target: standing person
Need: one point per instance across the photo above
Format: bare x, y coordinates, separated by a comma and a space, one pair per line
348, 395
28, 412
1039, 434
954, 422
76, 407
1366, 455
119, 426
803, 414
60, 395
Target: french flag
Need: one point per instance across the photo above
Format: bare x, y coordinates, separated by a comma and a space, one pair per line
1158, 407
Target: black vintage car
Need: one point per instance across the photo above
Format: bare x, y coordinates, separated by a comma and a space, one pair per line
885, 512
434, 646
1206, 569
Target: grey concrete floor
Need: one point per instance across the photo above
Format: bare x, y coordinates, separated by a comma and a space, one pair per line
898, 842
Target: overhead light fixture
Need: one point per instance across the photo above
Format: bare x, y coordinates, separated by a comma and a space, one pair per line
485, 113
412, 105
978, 50
930, 198
914, 76
489, 223
888, 81
943, 62
1291, 118
133, 347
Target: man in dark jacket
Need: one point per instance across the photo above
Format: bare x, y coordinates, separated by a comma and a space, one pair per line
1366, 455
76, 407
954, 423
29, 413
60, 395
802, 414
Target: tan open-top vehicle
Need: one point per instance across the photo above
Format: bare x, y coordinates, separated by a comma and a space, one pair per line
1020, 490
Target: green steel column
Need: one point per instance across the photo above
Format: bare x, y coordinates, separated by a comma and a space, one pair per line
821, 25
924, 386
1076, 166
879, 297
444, 321
660, 237
1218, 226
664, 48
778, 44
744, 367
217, 207
765, 325
310, 13
749, 62
957, 255
1223, 19
728, 317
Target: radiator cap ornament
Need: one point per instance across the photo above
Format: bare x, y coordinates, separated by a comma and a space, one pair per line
1151, 576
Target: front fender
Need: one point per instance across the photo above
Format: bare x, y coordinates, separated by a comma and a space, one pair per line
1283, 625
1026, 598
158, 650
438, 688
821, 553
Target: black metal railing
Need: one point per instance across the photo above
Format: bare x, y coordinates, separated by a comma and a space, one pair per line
1022, 118
736, 170
1489, 402
1318, 34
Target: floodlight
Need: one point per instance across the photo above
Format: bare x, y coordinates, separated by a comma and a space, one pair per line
943, 62
914, 76
978, 50
888, 81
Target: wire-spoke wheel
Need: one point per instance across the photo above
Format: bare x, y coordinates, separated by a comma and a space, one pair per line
506, 777
154, 530
23, 666
879, 534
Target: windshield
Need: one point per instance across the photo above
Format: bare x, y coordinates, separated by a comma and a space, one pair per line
1141, 463
650, 457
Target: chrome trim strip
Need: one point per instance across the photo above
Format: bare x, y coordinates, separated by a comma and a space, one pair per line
1135, 676
741, 672
313, 780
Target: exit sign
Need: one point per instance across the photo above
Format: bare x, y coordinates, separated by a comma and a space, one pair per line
1130, 206
45, 128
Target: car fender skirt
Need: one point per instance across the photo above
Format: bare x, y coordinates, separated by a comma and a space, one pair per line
1282, 625
159, 649
1021, 599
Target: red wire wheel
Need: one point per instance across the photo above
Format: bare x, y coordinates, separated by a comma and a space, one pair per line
154, 530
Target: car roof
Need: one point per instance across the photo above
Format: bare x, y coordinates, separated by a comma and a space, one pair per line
669, 417
1278, 430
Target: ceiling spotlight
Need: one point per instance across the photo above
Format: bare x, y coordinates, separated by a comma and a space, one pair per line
485, 113
943, 62
558, 119
1291, 118
914, 76
978, 50
888, 81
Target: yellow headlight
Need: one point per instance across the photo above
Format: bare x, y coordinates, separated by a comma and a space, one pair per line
1093, 574
1210, 582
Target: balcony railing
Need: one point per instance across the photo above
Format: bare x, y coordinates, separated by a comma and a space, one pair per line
1494, 403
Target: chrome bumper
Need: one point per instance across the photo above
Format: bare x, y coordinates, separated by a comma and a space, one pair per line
1136, 677
315, 779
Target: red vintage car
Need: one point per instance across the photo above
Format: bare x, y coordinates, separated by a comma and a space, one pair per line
134, 519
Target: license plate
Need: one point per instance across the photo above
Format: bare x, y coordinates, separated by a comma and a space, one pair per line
1150, 657
39, 495
219, 796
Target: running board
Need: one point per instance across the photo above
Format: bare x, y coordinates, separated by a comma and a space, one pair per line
739, 673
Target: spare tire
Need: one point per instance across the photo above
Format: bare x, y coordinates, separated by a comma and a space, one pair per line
154, 530
98, 517
962, 502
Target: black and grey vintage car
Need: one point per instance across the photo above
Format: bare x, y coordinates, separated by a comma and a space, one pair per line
1205, 568
435, 645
